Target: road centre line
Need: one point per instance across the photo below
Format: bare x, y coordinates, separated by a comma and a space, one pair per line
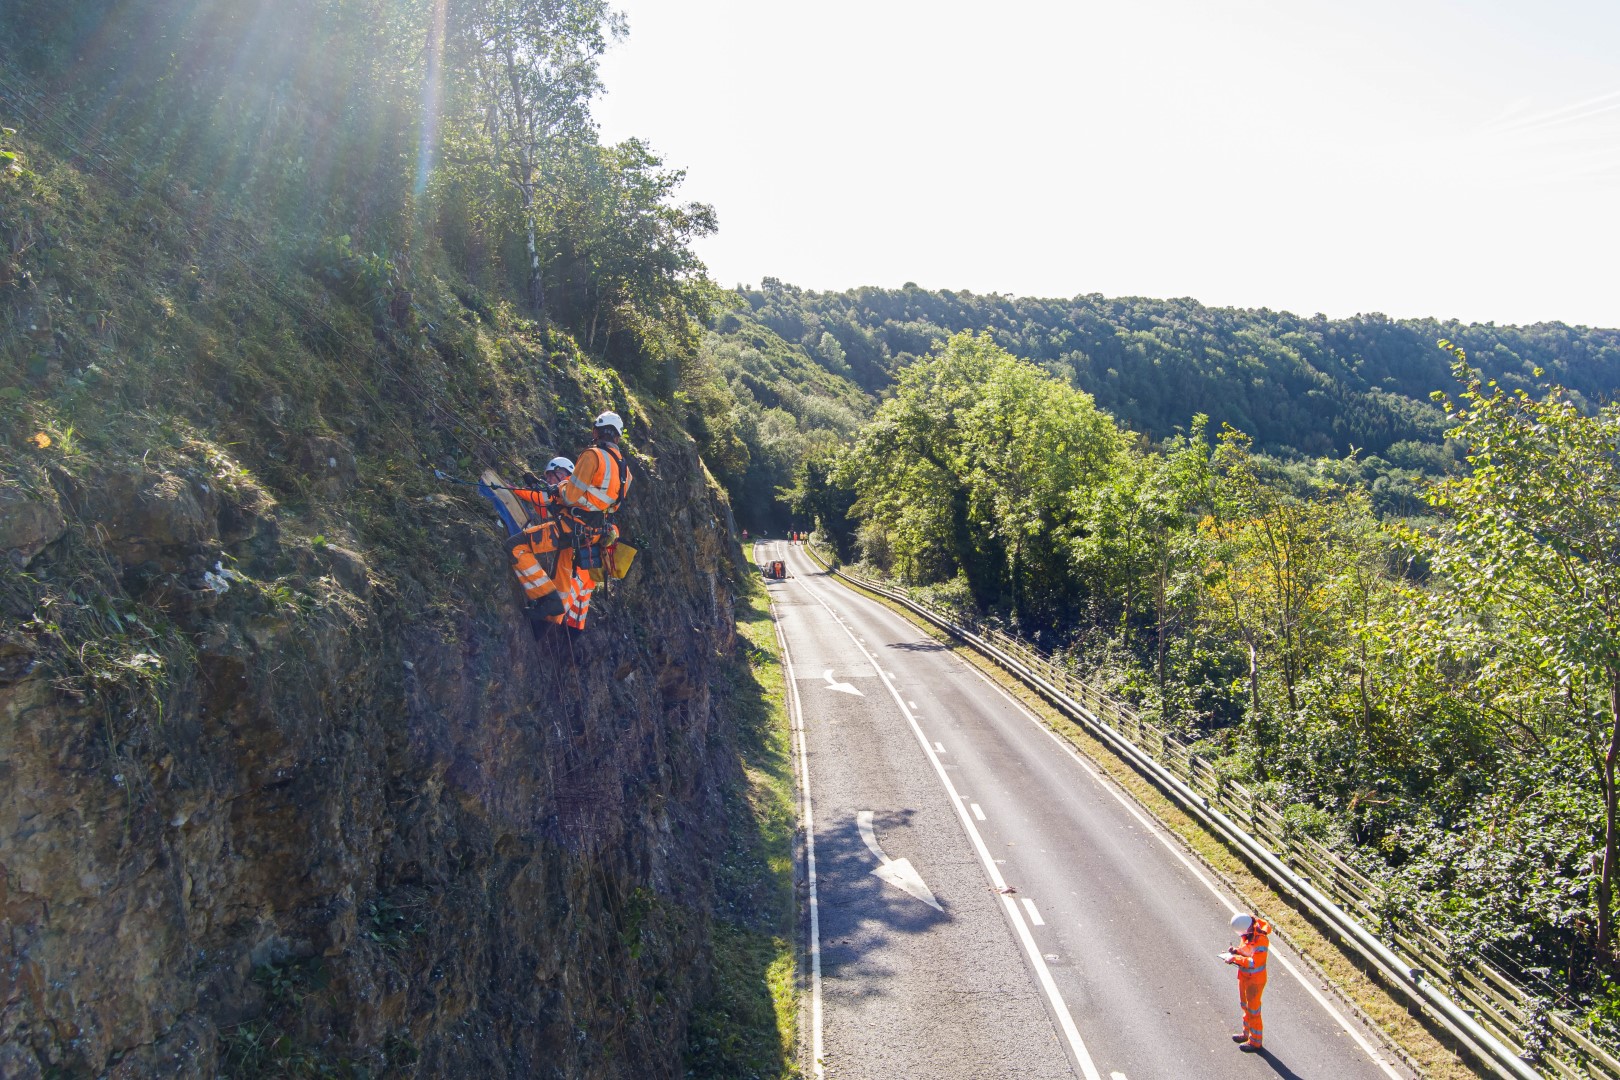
796, 719
1158, 834
1021, 928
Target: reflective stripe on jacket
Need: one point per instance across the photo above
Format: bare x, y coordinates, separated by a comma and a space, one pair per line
599, 482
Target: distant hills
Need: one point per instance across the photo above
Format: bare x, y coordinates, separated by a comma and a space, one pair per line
1300, 385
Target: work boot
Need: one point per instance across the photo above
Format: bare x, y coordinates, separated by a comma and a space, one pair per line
1250, 1048
1241, 1036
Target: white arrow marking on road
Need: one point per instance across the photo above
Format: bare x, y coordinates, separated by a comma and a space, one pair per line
841, 687
897, 872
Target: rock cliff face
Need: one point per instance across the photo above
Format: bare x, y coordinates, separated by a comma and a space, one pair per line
350, 817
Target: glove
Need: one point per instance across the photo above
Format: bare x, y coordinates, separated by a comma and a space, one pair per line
531, 480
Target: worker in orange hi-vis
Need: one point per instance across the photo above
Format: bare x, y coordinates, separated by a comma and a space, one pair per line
591, 496
1250, 960
547, 531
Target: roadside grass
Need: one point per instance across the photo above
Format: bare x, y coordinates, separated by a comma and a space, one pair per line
1401, 1026
747, 1026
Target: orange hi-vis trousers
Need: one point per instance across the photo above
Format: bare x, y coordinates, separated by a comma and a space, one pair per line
1250, 987
580, 605
530, 574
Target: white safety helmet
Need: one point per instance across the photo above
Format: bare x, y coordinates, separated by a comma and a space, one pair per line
560, 463
609, 419
1242, 923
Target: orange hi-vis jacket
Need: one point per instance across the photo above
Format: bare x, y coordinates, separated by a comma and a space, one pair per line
599, 483
538, 538
1250, 957
546, 512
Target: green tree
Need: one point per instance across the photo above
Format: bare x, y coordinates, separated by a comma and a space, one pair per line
532, 66
1527, 569
995, 450
1276, 561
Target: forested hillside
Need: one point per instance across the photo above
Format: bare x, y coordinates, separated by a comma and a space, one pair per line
287, 787
1296, 385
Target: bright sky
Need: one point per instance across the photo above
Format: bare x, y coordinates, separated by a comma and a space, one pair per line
1415, 157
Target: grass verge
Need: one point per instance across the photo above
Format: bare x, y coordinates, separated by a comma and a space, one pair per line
1410, 1036
747, 1027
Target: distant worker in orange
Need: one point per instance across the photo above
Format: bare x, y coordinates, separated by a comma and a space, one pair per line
546, 532
591, 496
1250, 960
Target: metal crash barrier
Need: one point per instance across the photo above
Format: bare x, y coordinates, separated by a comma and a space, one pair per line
1487, 1011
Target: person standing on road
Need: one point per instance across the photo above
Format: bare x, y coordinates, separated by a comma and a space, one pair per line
1250, 960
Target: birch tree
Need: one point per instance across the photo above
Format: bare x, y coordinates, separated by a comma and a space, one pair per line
533, 64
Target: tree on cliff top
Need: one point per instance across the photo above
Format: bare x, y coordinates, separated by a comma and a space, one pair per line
532, 65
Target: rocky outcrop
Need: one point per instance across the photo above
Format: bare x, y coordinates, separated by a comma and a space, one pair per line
351, 816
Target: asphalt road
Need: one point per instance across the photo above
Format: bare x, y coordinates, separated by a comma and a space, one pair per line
1072, 936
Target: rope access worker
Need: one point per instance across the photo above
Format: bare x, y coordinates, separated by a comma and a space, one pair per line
549, 530
590, 497
1250, 960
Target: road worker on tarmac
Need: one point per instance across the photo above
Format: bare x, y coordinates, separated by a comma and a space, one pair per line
590, 497
1250, 959
548, 531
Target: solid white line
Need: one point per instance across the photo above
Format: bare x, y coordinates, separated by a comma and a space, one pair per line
1034, 916
1042, 973
1159, 834
977, 812
796, 720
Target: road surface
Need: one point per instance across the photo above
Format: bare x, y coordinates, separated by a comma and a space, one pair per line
985, 904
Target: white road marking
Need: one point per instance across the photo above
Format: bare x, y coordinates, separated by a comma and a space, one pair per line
1044, 974
1034, 916
796, 718
841, 687
1159, 835
977, 812
939, 746
897, 872
1116, 1076
913, 704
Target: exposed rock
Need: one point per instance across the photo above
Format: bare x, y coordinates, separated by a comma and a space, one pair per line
28, 524
459, 851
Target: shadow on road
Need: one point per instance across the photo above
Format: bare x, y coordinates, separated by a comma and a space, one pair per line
917, 646
860, 913
1282, 1070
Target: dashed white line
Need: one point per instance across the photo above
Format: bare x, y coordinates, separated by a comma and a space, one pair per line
1158, 834
1043, 974
940, 747
977, 812
913, 704
1034, 915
